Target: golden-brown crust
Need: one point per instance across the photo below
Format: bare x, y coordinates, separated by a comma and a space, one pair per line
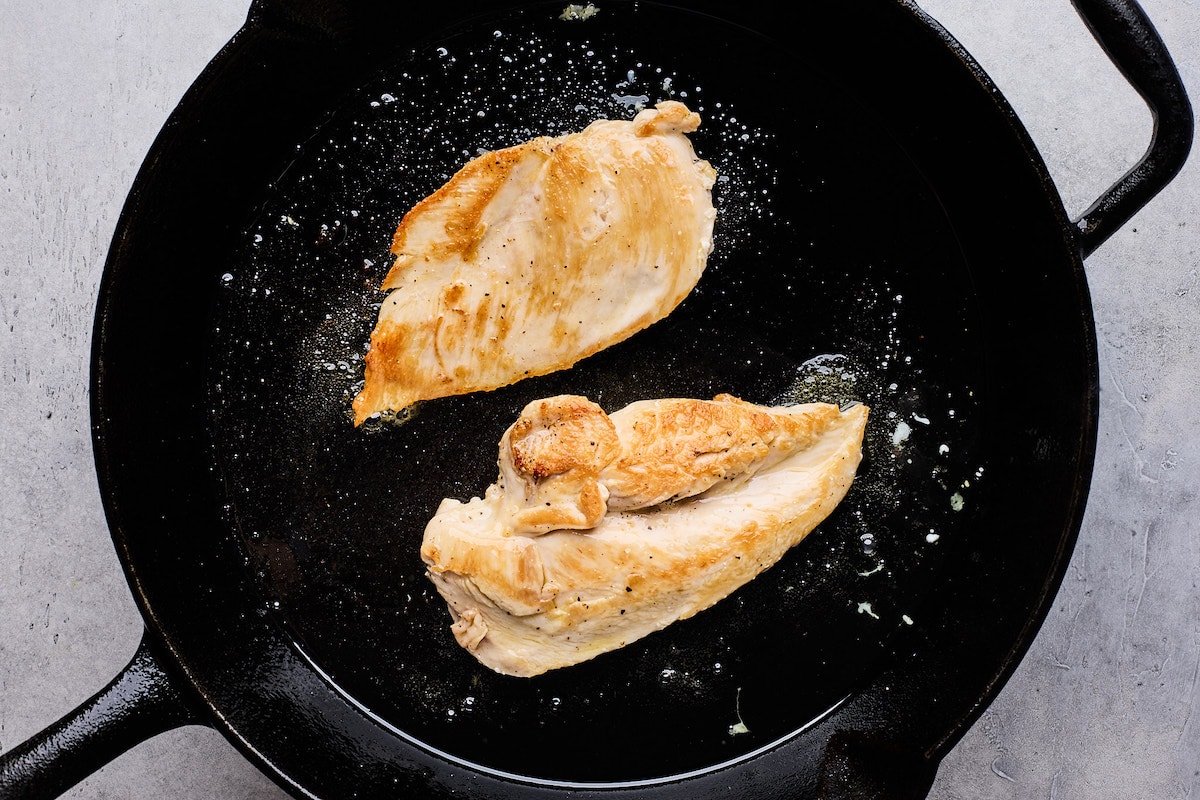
637, 570
464, 228
550, 461
672, 116
559, 434
536, 256
677, 448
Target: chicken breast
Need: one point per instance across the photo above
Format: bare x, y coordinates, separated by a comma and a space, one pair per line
536, 256
603, 529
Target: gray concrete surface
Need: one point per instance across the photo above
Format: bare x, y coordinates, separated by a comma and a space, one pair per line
1103, 706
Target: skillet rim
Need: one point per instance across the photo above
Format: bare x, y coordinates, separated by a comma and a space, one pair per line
232, 714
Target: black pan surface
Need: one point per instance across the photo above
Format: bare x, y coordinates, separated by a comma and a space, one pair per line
796, 304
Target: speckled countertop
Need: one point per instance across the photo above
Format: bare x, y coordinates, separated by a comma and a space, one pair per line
1103, 704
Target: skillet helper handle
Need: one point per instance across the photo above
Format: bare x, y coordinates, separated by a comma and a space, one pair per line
1133, 45
141, 702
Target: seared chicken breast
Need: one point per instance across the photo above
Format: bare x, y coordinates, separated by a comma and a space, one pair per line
602, 529
533, 257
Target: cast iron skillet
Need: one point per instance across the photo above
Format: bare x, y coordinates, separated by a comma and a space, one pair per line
887, 234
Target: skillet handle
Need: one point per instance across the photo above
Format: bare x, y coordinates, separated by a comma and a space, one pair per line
1135, 48
141, 702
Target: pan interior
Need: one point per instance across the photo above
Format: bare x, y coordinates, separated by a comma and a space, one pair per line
835, 276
